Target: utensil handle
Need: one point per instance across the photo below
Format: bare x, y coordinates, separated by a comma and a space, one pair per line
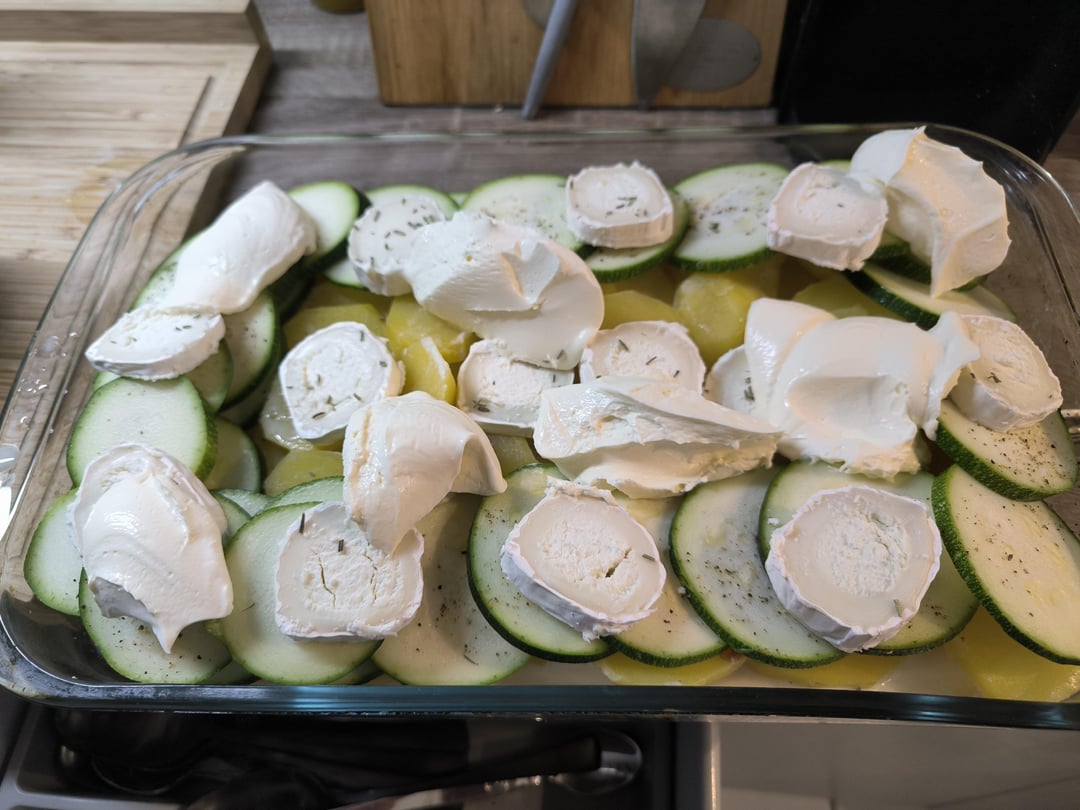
558, 24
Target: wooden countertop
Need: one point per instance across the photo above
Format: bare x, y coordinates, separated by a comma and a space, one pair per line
321, 79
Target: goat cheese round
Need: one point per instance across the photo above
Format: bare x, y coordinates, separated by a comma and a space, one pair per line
583, 559
728, 381
942, 202
250, 245
824, 215
508, 283
659, 350
619, 206
157, 343
331, 582
383, 235
329, 374
647, 438
854, 563
402, 455
502, 394
1010, 385
150, 534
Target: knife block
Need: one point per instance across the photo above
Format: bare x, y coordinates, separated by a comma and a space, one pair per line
479, 52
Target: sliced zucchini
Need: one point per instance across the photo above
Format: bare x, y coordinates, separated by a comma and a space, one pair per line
714, 551
1026, 464
448, 642
250, 631
948, 604
251, 501
130, 648
728, 206
254, 340
52, 565
534, 200
212, 377
618, 264
239, 463
1019, 558
334, 207
167, 414
520, 621
235, 516
912, 301
320, 490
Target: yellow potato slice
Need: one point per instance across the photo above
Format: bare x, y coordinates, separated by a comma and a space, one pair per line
851, 672
1001, 667
407, 322
713, 306
513, 452
838, 296
329, 294
427, 370
655, 283
625, 671
625, 306
311, 319
298, 466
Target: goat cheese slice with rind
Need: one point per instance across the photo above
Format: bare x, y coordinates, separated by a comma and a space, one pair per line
585, 560
383, 235
157, 343
619, 206
659, 350
853, 564
331, 373
1010, 385
824, 215
331, 582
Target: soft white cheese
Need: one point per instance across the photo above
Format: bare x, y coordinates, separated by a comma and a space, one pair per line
331, 582
250, 245
1010, 385
728, 382
402, 455
331, 373
583, 559
383, 236
659, 350
647, 438
856, 391
619, 206
503, 394
942, 202
824, 215
157, 343
507, 283
854, 563
150, 535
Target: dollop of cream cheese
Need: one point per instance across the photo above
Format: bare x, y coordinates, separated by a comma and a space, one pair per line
619, 206
502, 394
157, 343
402, 455
824, 215
150, 537
660, 350
942, 202
585, 560
647, 438
250, 245
853, 564
1010, 385
331, 373
332, 582
508, 283
382, 237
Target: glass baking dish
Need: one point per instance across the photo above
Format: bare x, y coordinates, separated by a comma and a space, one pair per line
47, 657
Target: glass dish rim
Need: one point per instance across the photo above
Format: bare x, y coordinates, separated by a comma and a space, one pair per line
608, 700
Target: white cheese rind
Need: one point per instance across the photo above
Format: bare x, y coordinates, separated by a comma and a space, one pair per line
382, 237
619, 206
502, 394
1010, 385
250, 245
157, 343
728, 382
331, 373
824, 215
507, 283
658, 350
331, 582
853, 564
647, 438
149, 534
402, 455
585, 560
941, 202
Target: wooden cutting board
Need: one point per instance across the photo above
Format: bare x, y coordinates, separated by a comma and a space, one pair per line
90, 90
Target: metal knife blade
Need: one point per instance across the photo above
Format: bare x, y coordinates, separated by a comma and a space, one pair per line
659, 32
